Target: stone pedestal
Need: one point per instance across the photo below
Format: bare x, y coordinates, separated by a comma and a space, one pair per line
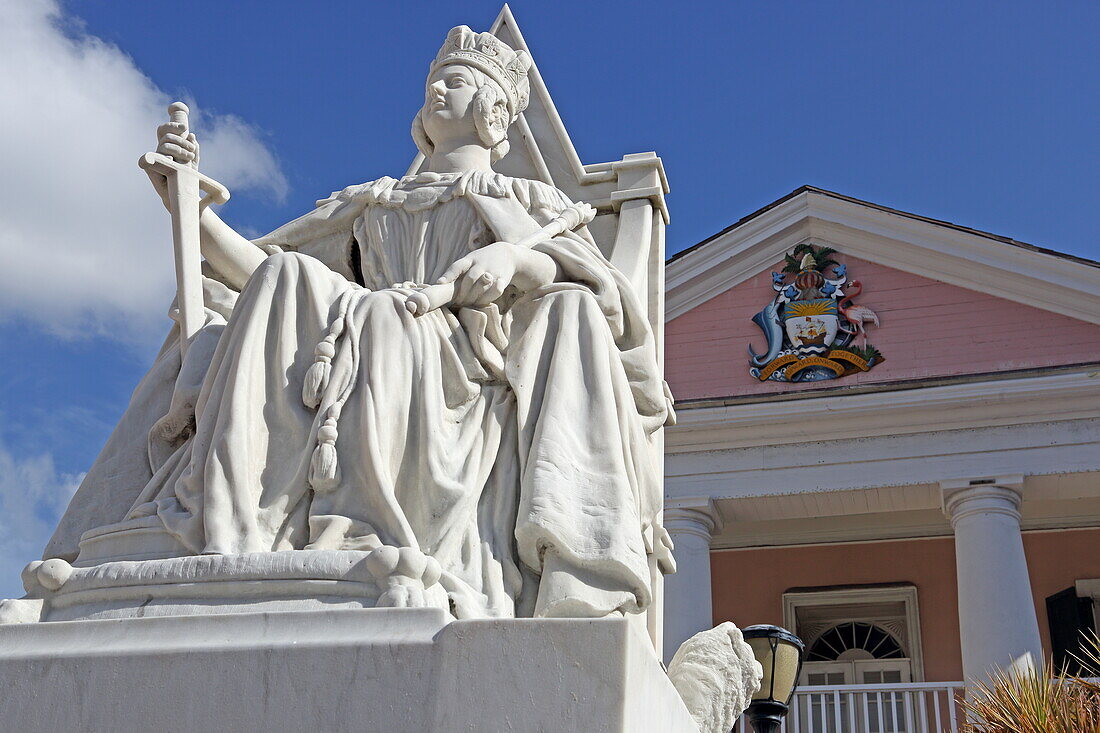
384, 670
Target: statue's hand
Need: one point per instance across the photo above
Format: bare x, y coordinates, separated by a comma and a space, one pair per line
482, 276
179, 145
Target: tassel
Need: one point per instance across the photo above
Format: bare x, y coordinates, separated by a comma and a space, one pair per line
324, 469
315, 383
317, 377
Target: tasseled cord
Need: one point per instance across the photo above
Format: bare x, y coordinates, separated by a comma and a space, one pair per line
317, 378
324, 468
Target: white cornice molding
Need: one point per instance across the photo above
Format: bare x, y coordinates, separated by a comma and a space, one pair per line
961, 258
1061, 396
734, 256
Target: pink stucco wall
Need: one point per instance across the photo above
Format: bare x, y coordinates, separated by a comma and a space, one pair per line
748, 585
929, 329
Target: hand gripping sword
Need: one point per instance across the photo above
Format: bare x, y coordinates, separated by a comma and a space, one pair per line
184, 184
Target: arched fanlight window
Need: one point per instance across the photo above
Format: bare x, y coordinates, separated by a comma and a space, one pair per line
854, 640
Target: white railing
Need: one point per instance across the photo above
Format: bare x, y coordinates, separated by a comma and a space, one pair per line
911, 707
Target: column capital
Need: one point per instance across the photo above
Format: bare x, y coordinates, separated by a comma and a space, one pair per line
987, 495
697, 516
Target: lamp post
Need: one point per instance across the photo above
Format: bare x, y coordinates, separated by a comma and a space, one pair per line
780, 654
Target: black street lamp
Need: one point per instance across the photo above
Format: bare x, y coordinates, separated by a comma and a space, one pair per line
780, 654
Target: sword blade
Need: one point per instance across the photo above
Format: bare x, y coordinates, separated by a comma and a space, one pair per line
183, 195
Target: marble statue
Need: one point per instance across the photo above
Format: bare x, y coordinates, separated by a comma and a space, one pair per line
716, 674
435, 389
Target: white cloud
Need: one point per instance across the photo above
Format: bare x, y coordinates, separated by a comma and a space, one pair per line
84, 241
33, 496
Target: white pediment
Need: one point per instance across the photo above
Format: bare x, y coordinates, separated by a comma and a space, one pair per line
946, 252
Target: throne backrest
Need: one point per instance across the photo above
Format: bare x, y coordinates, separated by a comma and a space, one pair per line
629, 198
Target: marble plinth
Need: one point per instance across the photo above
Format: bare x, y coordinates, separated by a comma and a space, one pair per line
391, 670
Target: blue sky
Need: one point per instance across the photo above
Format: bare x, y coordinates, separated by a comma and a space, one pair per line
980, 113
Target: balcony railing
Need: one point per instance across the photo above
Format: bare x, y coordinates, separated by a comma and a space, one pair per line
911, 707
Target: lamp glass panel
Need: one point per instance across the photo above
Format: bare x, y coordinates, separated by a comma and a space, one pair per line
762, 650
785, 675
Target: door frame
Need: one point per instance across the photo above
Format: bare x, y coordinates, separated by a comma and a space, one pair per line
906, 594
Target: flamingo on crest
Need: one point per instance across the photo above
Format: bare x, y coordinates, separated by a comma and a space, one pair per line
857, 315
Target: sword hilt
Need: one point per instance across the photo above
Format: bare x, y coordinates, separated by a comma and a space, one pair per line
177, 112
156, 163
166, 165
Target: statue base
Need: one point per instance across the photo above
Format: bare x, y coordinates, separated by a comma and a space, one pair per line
393, 670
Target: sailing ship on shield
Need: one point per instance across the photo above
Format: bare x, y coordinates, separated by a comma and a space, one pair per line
812, 323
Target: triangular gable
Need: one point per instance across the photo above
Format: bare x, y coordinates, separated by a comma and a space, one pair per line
929, 329
938, 250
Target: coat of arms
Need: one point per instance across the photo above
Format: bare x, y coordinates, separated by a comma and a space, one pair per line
812, 324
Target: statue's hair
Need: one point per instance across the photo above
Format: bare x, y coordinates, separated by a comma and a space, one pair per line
490, 118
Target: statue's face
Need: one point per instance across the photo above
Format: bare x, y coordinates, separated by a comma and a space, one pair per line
448, 103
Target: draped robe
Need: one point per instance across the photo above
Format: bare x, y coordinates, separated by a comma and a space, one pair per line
510, 442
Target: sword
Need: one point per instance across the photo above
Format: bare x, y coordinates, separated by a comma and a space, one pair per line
184, 184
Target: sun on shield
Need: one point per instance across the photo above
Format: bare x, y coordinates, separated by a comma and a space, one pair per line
811, 325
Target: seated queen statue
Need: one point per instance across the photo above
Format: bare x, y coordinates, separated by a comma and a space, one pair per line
491, 457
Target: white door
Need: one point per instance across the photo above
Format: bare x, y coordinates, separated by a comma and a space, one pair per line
827, 673
886, 712
837, 711
826, 712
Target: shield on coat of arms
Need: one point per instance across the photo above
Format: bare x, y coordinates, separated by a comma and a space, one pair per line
811, 325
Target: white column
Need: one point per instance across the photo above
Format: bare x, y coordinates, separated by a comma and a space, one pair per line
687, 591
997, 619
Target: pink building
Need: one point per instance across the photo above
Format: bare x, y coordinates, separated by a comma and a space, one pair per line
918, 518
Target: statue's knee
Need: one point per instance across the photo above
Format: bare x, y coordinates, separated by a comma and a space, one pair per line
576, 300
282, 261
384, 308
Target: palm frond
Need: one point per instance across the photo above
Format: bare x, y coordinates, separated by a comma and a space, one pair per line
867, 353
1033, 701
822, 258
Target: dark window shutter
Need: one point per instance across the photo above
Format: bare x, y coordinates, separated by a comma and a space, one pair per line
1070, 618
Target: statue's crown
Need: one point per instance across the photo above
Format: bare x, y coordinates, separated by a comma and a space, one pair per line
488, 54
